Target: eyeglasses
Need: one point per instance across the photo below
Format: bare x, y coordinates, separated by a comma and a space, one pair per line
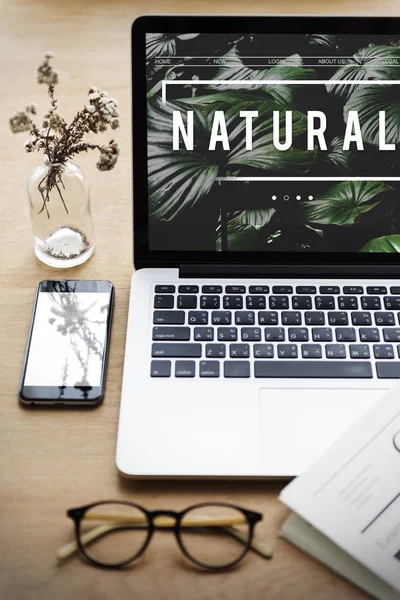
115, 533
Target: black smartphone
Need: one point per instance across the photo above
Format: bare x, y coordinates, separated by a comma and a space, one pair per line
66, 355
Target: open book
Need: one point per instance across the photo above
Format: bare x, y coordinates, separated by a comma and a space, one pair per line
347, 505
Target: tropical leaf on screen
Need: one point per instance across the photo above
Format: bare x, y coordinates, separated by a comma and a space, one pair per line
345, 202
328, 40
164, 44
373, 62
335, 158
242, 230
387, 243
177, 179
368, 101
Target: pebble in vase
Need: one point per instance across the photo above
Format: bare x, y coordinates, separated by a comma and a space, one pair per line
59, 198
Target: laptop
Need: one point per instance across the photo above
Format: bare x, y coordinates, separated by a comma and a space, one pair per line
264, 308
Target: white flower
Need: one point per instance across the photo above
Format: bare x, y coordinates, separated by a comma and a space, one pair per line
90, 108
31, 107
94, 96
49, 54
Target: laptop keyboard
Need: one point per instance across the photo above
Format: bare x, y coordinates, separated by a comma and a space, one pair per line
306, 331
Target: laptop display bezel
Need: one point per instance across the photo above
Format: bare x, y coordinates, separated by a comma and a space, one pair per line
143, 256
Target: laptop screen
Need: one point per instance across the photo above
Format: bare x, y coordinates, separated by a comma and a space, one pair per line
273, 143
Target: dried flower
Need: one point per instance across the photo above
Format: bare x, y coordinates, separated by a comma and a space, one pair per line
45, 72
60, 142
32, 108
20, 121
108, 157
53, 121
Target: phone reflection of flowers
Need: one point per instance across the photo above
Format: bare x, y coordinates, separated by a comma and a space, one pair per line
72, 319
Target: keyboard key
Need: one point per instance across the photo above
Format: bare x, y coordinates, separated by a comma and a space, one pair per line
187, 302
239, 350
244, 317
395, 290
298, 334
282, 289
329, 289
314, 318
369, 334
215, 350
211, 289
236, 368
361, 318
391, 335
371, 302
258, 289
392, 302
376, 289
301, 302
160, 368
322, 334
233, 302
171, 333
209, 301
306, 289
164, 301
209, 368
347, 302
263, 351
235, 289
268, 318
279, 302
287, 351
255, 302
185, 368
338, 318
172, 349
168, 317
353, 289
227, 334
335, 351
291, 318
274, 334
324, 302
221, 317
198, 317
203, 334
188, 289
384, 318
388, 370
314, 369
345, 334
165, 289
251, 334
311, 351
359, 351
383, 351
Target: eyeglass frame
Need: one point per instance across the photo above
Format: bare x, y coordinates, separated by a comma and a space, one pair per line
77, 514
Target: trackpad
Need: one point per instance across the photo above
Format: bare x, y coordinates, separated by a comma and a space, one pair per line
299, 424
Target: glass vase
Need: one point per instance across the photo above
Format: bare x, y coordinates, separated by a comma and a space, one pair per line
61, 217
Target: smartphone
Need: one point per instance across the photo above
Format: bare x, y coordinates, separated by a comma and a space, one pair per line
66, 355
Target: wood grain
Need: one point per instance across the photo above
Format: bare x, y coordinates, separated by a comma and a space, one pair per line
51, 461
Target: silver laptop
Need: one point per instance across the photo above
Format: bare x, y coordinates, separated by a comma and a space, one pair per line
264, 309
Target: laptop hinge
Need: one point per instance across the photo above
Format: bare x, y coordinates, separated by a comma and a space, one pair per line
285, 270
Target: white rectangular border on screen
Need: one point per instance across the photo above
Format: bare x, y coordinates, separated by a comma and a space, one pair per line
166, 82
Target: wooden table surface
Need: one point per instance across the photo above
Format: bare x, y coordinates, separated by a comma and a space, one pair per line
53, 460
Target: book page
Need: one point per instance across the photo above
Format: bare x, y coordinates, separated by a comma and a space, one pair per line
352, 494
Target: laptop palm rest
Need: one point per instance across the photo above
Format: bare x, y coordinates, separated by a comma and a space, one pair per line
294, 419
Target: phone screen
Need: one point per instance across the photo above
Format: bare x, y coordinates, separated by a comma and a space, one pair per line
68, 342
